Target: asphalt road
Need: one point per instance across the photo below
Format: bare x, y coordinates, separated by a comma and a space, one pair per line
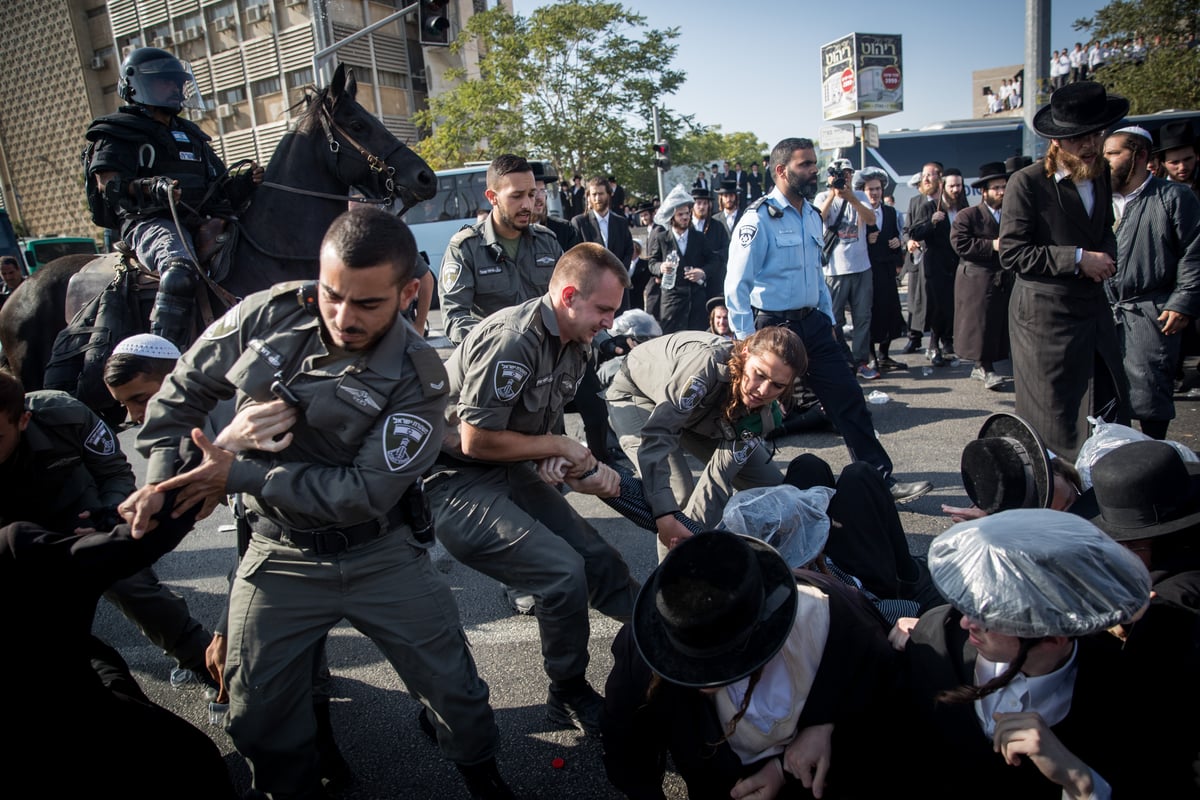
924, 425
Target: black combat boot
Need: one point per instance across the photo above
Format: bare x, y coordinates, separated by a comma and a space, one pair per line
175, 302
484, 782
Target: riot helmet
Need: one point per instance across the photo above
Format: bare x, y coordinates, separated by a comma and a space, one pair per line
153, 77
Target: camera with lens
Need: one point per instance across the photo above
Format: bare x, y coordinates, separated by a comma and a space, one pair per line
839, 182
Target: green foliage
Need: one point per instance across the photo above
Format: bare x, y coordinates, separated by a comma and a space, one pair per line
701, 147
1170, 75
573, 83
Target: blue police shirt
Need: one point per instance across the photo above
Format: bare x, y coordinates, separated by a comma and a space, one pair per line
775, 263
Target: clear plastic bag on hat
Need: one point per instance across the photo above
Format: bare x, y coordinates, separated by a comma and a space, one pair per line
1035, 572
793, 521
677, 197
1108, 436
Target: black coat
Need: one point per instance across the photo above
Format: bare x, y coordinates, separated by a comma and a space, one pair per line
683, 307
938, 266
1059, 323
950, 757
982, 289
887, 320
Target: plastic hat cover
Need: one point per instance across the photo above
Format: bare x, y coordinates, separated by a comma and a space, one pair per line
791, 520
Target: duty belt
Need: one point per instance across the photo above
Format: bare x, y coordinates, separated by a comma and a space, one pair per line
326, 542
791, 315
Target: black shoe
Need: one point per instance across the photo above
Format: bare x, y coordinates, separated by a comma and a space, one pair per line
937, 359
889, 364
913, 346
484, 782
426, 725
576, 708
336, 774
903, 492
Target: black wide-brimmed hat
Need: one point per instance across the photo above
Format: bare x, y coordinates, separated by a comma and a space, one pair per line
1014, 164
1007, 466
728, 187
1141, 490
1079, 108
701, 194
718, 607
989, 172
714, 302
1177, 133
544, 172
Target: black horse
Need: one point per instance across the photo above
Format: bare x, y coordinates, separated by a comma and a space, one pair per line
336, 146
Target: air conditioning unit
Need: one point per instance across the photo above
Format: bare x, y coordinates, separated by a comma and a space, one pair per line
223, 23
194, 114
189, 33
255, 14
179, 35
97, 62
162, 41
226, 110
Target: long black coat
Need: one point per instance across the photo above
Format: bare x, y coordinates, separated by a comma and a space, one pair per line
682, 308
887, 320
1066, 359
982, 289
938, 267
912, 266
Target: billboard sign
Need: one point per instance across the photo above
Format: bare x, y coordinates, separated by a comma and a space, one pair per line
862, 76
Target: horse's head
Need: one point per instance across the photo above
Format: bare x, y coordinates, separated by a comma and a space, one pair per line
366, 154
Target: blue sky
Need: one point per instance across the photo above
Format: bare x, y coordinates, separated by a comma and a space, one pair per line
753, 65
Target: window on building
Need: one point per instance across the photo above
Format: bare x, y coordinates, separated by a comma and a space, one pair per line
268, 100
296, 82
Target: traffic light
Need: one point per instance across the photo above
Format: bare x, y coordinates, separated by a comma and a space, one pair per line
662, 155
434, 25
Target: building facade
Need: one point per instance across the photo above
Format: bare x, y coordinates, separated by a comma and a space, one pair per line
252, 60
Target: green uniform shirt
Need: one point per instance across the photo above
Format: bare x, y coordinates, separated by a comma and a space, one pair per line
370, 422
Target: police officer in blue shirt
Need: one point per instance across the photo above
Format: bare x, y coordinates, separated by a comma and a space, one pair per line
774, 278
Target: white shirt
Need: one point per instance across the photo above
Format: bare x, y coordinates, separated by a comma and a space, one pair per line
602, 223
681, 239
1122, 200
1049, 695
1086, 189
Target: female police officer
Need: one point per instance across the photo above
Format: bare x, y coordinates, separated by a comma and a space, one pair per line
715, 398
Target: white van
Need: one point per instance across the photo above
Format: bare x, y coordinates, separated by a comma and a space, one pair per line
459, 202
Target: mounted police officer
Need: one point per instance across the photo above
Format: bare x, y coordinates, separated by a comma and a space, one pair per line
143, 162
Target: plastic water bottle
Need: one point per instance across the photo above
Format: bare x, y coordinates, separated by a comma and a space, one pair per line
670, 268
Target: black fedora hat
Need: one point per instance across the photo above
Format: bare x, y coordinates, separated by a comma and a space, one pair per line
701, 194
728, 187
1016, 163
989, 172
544, 172
1177, 133
714, 302
717, 608
1007, 466
1079, 108
1141, 490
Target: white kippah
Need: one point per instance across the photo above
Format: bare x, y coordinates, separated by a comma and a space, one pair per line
1136, 131
147, 345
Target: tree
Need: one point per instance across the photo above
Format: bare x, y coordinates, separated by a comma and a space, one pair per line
1170, 75
704, 146
573, 83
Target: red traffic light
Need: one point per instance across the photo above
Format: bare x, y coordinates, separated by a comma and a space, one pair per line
433, 23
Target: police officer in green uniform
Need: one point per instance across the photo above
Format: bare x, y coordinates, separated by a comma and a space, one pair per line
332, 538
502, 260
62, 468
494, 487
703, 394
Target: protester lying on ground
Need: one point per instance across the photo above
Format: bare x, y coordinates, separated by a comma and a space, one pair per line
758, 681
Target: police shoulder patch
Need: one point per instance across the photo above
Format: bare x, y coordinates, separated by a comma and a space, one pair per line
404, 436
450, 273
226, 325
510, 379
743, 448
693, 394
101, 441
746, 234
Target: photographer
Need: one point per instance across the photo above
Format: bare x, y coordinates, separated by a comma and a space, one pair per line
848, 271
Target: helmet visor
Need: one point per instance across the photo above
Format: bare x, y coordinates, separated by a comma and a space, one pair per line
166, 83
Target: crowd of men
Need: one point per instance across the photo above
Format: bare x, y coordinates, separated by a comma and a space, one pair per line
349, 444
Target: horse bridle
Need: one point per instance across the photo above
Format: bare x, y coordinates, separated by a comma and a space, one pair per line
376, 164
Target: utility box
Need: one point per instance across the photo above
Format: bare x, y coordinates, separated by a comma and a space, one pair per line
862, 76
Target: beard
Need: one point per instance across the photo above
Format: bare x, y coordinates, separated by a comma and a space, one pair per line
1077, 169
801, 187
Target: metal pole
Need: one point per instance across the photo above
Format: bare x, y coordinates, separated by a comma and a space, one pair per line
862, 143
662, 194
374, 26
1035, 86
